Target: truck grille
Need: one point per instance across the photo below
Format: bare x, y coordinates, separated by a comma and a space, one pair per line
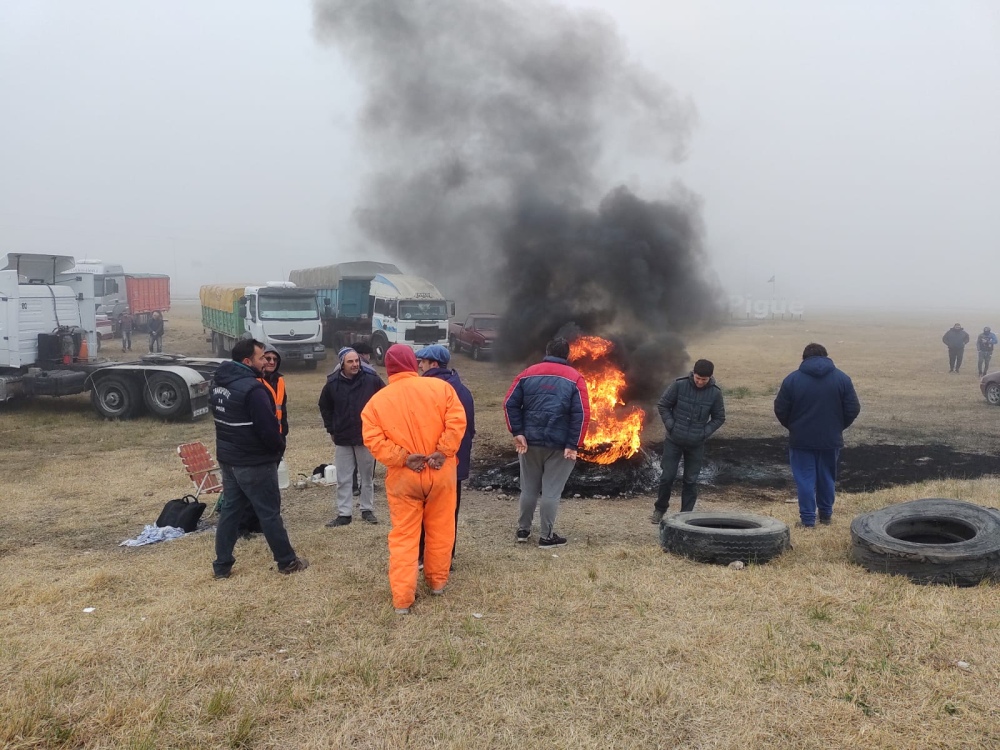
425, 335
296, 337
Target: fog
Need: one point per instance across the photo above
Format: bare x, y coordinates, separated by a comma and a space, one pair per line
851, 151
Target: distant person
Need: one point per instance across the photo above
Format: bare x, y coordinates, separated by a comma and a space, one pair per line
548, 412
432, 362
816, 403
364, 350
692, 409
345, 394
984, 345
156, 332
249, 445
955, 338
415, 426
127, 324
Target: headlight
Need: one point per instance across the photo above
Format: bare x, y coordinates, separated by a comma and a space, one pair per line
319, 348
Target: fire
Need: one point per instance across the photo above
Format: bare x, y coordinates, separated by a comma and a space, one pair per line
614, 427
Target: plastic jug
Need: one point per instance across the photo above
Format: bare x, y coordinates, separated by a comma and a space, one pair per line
330, 474
283, 480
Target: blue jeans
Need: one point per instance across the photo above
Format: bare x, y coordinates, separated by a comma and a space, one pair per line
815, 473
244, 487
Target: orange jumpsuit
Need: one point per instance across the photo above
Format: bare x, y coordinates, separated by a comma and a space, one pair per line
416, 415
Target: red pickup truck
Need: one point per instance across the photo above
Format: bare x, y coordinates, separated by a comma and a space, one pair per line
475, 336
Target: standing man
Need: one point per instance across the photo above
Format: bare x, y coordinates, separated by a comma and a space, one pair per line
955, 338
248, 444
432, 362
415, 426
345, 394
156, 332
984, 345
126, 322
816, 403
692, 410
548, 412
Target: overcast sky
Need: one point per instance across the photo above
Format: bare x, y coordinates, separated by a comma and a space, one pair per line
850, 149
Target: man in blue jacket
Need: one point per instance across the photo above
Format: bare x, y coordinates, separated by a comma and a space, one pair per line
249, 445
548, 413
816, 403
432, 362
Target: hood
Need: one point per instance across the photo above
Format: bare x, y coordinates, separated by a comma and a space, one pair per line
400, 358
817, 367
268, 349
230, 371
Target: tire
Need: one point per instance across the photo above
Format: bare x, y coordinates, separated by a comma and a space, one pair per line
380, 344
477, 354
934, 540
993, 393
166, 395
115, 397
453, 344
724, 537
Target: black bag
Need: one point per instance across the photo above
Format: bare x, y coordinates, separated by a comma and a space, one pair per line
182, 513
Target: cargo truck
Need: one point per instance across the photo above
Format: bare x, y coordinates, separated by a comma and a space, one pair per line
114, 290
374, 302
48, 331
276, 313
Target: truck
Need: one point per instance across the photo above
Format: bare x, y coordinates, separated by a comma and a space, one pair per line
48, 328
114, 290
374, 302
475, 336
276, 313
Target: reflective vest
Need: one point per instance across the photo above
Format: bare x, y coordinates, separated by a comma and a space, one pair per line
277, 396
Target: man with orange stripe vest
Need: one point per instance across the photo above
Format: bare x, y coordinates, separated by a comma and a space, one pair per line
415, 426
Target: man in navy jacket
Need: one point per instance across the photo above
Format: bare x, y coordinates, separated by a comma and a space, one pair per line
548, 412
816, 403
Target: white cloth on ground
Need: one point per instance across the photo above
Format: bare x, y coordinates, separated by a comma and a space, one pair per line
153, 534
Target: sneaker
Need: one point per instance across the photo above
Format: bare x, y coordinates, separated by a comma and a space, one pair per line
221, 576
800, 525
825, 521
438, 592
402, 610
656, 517
295, 566
522, 535
368, 516
551, 541
338, 521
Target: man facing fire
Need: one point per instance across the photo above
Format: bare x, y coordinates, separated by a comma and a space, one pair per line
548, 412
692, 410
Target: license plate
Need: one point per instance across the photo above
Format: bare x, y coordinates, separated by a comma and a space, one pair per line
201, 412
307, 356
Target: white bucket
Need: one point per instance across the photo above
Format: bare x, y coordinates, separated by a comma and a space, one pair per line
330, 474
283, 480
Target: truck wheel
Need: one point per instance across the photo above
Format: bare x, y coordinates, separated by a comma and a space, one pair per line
453, 345
379, 347
476, 353
166, 396
115, 397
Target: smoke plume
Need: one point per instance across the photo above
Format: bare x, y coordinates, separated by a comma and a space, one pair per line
493, 128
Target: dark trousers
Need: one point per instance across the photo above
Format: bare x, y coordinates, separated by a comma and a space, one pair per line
693, 457
156, 342
458, 504
243, 487
955, 357
984, 362
815, 473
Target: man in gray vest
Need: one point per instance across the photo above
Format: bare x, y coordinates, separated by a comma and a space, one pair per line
692, 410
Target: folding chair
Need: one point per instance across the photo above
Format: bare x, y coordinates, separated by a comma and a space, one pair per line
202, 469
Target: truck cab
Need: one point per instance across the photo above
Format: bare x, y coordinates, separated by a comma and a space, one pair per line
287, 318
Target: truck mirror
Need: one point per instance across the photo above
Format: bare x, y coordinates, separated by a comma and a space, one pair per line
243, 307
451, 308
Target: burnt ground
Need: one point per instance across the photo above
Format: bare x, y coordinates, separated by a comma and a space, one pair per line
760, 465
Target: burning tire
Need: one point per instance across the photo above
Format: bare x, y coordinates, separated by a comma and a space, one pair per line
930, 541
724, 537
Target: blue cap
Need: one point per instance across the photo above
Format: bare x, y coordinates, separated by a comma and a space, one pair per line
435, 352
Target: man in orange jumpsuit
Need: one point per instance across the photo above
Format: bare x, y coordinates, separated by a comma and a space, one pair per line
414, 426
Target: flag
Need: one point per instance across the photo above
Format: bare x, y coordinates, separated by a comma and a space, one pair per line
770, 280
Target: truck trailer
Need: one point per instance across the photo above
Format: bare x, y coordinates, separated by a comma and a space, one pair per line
48, 328
276, 313
114, 290
375, 302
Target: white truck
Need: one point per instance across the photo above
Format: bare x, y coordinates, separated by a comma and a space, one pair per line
47, 315
374, 302
276, 313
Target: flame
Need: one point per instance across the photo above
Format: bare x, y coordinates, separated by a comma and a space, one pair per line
614, 427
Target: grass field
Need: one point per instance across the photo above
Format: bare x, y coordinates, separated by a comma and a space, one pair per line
606, 643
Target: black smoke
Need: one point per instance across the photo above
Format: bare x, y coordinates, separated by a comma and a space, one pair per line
493, 128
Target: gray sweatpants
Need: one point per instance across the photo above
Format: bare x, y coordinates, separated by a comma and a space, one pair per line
544, 472
347, 457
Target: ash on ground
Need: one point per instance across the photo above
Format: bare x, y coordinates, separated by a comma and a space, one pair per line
760, 465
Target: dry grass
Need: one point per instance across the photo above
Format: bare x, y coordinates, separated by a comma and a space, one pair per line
606, 643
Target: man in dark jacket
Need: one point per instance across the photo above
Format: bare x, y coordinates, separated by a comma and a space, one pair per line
248, 444
548, 413
126, 323
984, 345
156, 332
345, 394
432, 362
816, 403
955, 338
692, 409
